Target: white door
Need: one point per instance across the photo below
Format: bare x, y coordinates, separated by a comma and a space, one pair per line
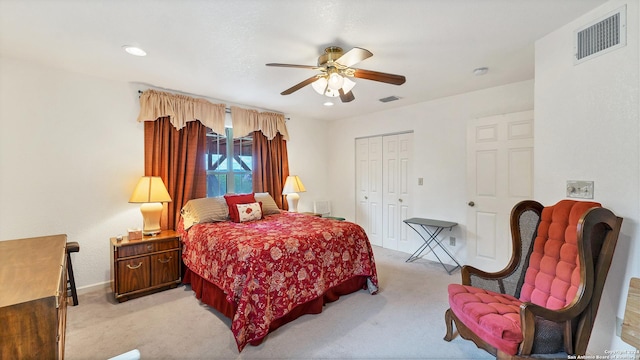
405, 155
362, 183
499, 174
396, 172
369, 187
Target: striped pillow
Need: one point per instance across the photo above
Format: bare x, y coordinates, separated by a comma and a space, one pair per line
269, 205
204, 210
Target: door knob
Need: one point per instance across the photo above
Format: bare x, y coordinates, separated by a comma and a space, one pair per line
471, 203
366, 197
400, 200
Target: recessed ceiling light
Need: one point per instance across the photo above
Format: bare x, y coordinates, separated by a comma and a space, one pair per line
480, 71
328, 103
134, 50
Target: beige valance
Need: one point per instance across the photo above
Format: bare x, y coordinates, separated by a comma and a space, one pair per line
181, 109
246, 121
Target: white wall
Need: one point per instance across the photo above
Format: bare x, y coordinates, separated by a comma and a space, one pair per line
71, 152
587, 128
439, 138
308, 158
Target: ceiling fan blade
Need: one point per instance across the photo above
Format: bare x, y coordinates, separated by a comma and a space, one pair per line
296, 66
379, 76
354, 56
299, 85
348, 97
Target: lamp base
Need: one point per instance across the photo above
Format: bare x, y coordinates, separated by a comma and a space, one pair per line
151, 213
292, 200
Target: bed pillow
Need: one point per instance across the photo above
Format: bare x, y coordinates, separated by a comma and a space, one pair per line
269, 206
212, 209
235, 199
249, 212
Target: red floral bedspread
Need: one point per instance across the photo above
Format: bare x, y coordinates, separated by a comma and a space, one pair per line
269, 266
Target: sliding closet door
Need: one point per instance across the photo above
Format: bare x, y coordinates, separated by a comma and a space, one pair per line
369, 187
383, 179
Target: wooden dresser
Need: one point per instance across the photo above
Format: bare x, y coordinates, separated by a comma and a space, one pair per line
33, 303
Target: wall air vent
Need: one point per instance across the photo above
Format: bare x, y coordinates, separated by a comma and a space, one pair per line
601, 36
389, 99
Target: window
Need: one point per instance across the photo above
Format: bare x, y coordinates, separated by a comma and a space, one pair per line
229, 164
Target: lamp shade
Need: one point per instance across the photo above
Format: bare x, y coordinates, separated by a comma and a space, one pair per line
150, 189
151, 193
293, 184
335, 81
321, 86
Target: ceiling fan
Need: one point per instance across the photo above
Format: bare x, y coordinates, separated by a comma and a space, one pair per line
335, 68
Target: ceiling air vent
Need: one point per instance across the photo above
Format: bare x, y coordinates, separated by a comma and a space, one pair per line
601, 36
389, 99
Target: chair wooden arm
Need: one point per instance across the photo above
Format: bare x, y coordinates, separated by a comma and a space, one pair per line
528, 314
528, 310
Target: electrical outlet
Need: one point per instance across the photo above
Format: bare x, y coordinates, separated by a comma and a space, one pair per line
452, 240
420, 181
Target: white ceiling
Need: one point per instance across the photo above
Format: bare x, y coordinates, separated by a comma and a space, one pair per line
218, 49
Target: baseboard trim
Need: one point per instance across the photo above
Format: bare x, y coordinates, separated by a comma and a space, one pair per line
94, 287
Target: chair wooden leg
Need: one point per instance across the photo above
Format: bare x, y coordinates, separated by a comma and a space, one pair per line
449, 321
72, 280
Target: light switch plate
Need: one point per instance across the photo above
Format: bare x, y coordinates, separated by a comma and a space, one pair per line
580, 189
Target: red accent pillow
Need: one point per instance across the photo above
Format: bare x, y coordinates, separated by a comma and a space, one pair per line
235, 199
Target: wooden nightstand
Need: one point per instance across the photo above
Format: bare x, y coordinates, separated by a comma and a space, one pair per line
144, 266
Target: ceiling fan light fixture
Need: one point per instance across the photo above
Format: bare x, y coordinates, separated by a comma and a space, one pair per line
320, 86
335, 81
332, 93
335, 69
348, 85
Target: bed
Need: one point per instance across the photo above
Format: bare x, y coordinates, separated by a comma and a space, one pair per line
268, 271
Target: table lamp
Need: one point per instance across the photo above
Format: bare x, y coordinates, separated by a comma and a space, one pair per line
292, 187
151, 193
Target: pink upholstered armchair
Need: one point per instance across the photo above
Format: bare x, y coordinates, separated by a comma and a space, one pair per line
545, 301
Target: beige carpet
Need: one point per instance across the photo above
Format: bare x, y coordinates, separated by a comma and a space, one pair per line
405, 320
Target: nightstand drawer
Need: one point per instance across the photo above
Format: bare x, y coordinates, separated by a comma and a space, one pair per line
135, 274
147, 247
166, 267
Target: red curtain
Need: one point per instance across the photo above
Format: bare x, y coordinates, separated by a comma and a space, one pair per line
178, 157
270, 166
